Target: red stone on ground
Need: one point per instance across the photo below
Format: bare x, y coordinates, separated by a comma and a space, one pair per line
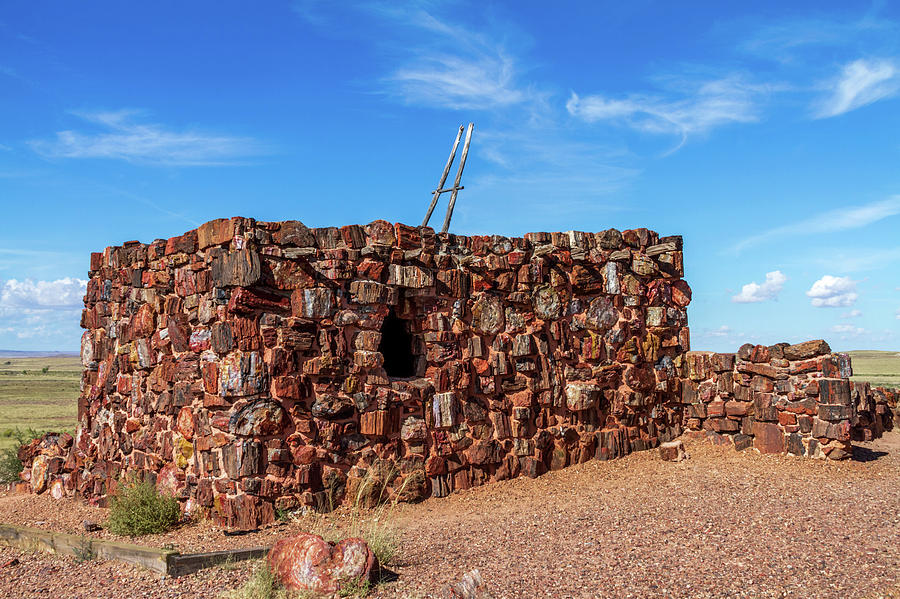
309, 563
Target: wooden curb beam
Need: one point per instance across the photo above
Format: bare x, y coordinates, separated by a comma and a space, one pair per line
188, 563
163, 561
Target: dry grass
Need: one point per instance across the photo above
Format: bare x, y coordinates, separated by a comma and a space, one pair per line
372, 525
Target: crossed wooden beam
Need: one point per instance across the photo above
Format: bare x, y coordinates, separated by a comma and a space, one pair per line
456, 186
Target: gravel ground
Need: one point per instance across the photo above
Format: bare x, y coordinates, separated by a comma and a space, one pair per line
45, 575
721, 524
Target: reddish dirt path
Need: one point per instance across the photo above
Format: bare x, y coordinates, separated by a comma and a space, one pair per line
720, 524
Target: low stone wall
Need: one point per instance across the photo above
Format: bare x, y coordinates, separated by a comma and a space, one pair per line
794, 399
877, 411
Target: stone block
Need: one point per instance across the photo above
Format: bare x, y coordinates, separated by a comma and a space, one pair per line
834, 391
215, 232
672, 451
413, 277
445, 410
768, 438
235, 269
835, 412
806, 350
582, 396
316, 302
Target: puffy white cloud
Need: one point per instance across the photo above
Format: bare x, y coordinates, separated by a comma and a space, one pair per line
30, 294
897, 314
833, 292
852, 314
756, 292
39, 313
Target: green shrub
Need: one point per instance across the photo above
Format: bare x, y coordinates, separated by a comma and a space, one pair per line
138, 508
10, 464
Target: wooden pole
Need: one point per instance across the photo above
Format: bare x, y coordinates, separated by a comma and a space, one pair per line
440, 188
456, 188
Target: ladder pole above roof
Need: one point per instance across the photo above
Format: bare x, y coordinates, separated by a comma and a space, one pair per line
456, 187
440, 188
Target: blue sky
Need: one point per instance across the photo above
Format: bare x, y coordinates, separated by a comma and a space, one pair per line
768, 136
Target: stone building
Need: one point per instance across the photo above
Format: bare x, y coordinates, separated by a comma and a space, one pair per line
247, 366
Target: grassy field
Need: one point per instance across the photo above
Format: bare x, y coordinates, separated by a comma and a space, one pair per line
879, 368
38, 393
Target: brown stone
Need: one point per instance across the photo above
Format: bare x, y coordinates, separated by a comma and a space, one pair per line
834, 391
215, 232
487, 315
235, 269
672, 451
806, 350
768, 438
294, 233
601, 314
258, 418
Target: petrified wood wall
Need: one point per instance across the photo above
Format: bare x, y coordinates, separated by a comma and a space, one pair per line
242, 365
783, 398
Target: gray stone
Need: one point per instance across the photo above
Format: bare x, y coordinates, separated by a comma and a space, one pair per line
582, 396
547, 303
601, 314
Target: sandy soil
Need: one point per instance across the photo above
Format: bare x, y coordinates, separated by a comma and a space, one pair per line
720, 524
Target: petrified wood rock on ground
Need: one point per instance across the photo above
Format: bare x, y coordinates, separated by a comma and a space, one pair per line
310, 564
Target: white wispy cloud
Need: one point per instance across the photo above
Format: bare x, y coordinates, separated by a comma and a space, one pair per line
759, 292
860, 82
460, 83
122, 138
833, 292
722, 331
840, 219
852, 314
454, 67
782, 40
701, 107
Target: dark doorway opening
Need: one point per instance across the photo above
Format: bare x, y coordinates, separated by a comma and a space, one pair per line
396, 347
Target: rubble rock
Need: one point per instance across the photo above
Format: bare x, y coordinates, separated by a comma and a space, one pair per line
672, 451
308, 563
